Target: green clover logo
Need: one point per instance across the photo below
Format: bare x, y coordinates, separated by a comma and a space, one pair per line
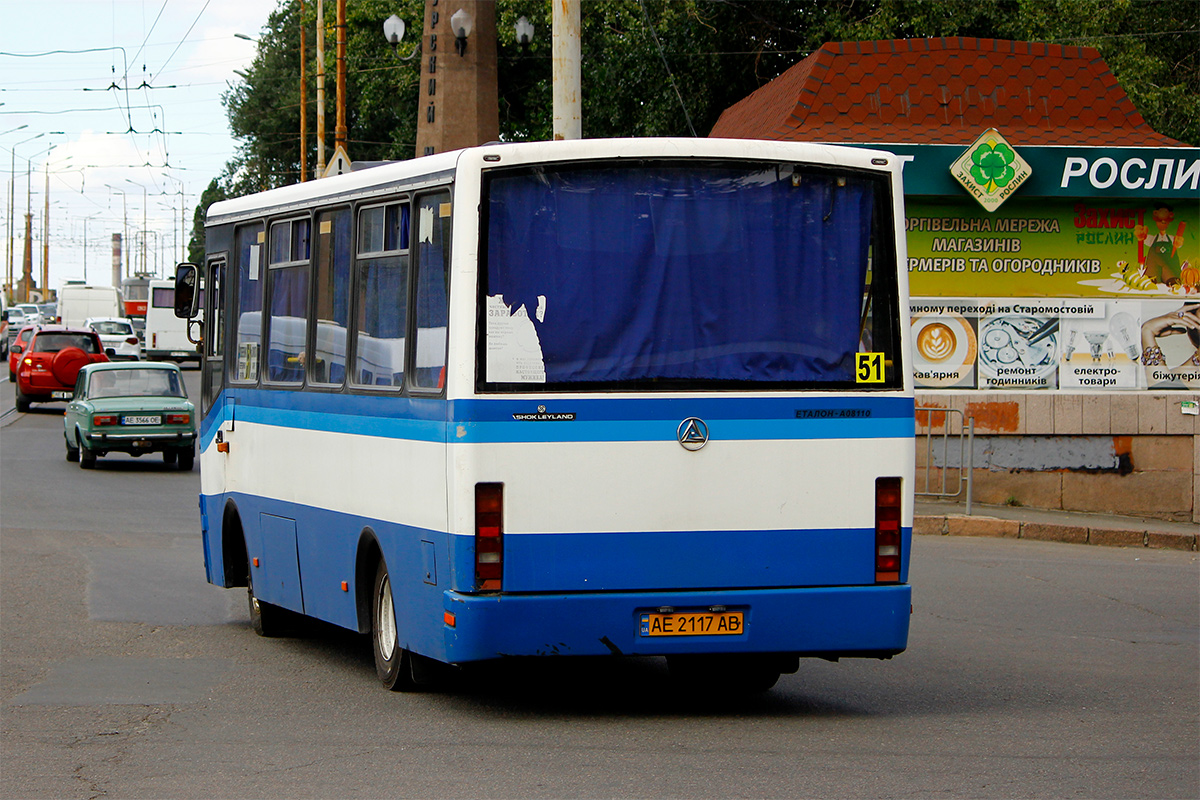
992, 166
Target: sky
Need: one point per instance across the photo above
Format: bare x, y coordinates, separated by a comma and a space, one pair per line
116, 105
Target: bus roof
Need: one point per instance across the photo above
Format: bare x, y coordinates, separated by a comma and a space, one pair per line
386, 177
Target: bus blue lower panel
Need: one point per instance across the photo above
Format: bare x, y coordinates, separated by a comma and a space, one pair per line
307, 562
847, 620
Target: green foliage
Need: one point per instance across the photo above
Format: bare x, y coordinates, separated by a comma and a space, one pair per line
381, 93
652, 66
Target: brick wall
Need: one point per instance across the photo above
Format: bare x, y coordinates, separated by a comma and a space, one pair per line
1160, 447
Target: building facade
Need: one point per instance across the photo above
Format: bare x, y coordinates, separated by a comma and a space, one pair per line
1054, 258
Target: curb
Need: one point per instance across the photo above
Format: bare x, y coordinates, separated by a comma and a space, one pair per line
1107, 536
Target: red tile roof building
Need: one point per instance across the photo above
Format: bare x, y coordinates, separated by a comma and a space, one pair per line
944, 91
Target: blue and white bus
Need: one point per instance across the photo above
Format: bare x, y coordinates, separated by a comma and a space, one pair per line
629, 397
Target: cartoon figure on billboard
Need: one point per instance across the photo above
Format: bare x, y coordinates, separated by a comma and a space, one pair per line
1158, 251
1171, 348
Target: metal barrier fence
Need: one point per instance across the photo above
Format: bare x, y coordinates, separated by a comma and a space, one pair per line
945, 448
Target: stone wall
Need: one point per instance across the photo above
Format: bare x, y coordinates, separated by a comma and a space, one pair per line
1155, 472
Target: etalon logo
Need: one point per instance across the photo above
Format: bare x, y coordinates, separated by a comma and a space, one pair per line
692, 433
990, 169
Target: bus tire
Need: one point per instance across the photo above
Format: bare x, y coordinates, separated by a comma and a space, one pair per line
267, 620
392, 662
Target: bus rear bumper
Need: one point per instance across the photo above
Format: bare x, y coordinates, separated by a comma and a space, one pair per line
848, 621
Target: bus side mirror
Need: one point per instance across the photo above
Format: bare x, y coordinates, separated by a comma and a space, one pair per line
186, 296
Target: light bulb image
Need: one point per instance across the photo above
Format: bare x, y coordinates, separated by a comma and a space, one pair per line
1070, 346
1124, 329
1095, 340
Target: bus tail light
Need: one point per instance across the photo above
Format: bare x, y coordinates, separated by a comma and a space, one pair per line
489, 536
887, 530
104, 419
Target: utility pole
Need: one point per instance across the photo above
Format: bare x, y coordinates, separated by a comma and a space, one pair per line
320, 87
46, 232
339, 133
565, 57
303, 104
27, 266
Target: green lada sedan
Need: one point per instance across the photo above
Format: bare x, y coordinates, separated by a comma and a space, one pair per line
134, 408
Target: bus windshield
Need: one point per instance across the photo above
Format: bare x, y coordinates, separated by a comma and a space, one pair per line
673, 275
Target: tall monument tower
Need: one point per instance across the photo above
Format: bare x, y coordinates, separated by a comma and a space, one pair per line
457, 105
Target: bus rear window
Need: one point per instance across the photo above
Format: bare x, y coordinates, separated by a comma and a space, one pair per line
675, 276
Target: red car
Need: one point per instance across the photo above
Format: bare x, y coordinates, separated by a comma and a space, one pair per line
16, 347
49, 365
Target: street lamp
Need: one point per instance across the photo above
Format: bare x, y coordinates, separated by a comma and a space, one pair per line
524, 32
85, 245
461, 23
14, 130
393, 31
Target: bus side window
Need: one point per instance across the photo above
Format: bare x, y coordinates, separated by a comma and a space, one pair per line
331, 273
381, 296
432, 306
287, 301
250, 267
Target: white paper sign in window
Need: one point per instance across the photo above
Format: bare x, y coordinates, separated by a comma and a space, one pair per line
514, 352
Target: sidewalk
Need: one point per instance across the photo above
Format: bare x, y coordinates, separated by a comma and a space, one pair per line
936, 518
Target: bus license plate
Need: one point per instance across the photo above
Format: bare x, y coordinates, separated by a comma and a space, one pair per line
141, 420
693, 623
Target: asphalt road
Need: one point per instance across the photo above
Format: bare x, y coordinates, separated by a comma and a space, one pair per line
1034, 670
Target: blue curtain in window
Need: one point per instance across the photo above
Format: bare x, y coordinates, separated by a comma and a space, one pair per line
704, 273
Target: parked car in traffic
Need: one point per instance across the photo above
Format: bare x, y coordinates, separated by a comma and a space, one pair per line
14, 319
78, 302
33, 314
48, 366
130, 408
16, 346
4, 337
120, 340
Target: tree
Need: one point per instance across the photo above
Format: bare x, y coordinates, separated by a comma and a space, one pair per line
670, 67
381, 93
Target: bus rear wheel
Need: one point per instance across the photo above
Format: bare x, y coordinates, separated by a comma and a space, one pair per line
393, 664
266, 619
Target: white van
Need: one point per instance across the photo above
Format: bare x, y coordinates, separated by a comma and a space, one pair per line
78, 303
166, 337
